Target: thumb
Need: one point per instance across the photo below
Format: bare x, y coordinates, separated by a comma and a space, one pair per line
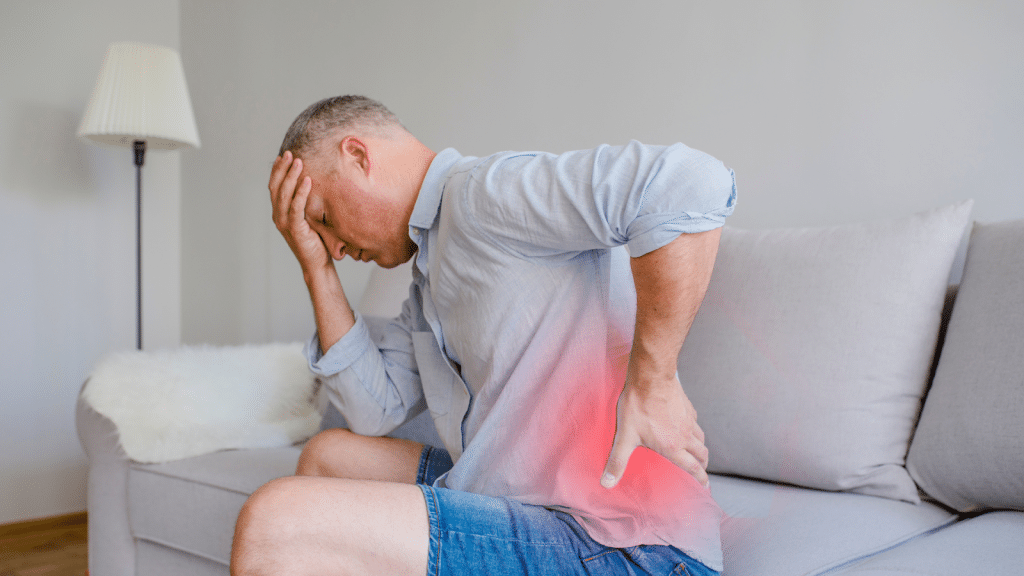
622, 449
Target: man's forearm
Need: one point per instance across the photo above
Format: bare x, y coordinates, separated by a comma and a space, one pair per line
670, 285
653, 410
334, 316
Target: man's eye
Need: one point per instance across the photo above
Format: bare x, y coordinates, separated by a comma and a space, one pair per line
323, 219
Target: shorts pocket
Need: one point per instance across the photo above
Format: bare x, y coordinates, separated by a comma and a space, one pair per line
637, 561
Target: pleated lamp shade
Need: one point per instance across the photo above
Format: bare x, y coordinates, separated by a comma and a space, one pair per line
140, 95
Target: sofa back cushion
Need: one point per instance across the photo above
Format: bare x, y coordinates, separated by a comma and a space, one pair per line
811, 352
968, 451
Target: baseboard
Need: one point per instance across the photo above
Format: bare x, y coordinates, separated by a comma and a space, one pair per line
42, 524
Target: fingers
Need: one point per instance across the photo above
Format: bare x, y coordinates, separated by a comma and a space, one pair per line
282, 185
693, 461
281, 164
665, 424
702, 456
298, 205
622, 448
691, 458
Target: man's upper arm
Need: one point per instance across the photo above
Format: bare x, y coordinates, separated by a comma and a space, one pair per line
645, 196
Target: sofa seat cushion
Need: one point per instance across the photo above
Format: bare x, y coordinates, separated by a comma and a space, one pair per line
156, 560
987, 544
191, 505
771, 529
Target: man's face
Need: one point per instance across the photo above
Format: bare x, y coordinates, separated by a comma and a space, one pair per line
354, 218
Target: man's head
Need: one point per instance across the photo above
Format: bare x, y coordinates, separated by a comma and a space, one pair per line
334, 115
366, 170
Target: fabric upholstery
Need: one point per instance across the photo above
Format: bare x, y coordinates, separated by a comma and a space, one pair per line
990, 544
111, 547
775, 530
191, 505
157, 560
968, 451
810, 355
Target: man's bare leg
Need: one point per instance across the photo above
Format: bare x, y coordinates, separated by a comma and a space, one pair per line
352, 510
339, 453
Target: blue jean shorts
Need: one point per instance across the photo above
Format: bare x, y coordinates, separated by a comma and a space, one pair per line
484, 535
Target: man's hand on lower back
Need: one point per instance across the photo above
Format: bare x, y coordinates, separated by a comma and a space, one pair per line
658, 416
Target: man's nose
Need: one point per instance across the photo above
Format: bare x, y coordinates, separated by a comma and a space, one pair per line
338, 251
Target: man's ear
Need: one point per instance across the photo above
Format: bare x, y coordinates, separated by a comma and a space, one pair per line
355, 151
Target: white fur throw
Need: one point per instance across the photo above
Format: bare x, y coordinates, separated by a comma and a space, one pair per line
195, 400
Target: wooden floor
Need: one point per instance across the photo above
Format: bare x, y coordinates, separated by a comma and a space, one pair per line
54, 546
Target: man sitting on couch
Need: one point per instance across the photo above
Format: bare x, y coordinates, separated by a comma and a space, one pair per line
544, 351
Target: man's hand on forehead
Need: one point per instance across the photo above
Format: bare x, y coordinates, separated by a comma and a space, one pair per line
288, 197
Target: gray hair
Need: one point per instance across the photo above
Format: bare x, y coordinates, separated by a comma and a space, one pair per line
349, 113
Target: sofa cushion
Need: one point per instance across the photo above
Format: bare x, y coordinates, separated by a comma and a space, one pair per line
191, 505
810, 354
988, 544
968, 451
770, 529
156, 560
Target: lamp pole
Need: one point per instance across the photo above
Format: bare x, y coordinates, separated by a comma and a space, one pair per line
139, 147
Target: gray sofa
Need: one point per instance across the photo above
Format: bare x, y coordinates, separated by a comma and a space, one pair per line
863, 416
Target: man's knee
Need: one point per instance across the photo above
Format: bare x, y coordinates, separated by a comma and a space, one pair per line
317, 452
262, 530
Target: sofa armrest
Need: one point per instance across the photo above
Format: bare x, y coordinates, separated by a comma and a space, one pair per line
111, 546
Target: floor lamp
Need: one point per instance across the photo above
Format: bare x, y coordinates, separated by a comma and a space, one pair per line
140, 101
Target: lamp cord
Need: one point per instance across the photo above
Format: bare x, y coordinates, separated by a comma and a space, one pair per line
139, 147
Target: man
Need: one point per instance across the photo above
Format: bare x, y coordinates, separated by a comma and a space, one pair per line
545, 353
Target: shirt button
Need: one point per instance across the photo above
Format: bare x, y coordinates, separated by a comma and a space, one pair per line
415, 231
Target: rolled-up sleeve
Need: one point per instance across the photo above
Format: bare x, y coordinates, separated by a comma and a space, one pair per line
638, 195
687, 192
370, 375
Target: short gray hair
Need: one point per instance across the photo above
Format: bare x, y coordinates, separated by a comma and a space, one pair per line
355, 113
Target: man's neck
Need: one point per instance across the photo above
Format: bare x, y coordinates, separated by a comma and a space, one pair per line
414, 163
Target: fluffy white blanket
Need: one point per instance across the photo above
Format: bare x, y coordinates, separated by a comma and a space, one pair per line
195, 400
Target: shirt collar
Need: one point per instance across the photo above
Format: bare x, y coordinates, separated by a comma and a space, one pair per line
428, 203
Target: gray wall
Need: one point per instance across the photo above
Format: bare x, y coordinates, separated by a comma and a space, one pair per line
829, 112
67, 239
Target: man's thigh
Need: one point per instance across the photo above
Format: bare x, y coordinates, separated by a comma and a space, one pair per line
474, 534
328, 526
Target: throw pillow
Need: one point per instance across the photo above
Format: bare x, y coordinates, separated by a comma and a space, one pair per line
810, 355
968, 452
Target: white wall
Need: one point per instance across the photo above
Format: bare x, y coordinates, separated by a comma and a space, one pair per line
67, 239
829, 112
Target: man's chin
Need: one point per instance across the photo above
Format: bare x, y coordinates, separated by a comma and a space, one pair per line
395, 262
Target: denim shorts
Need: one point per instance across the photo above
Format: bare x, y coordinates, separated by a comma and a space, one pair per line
485, 535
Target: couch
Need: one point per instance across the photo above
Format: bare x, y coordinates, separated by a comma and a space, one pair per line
861, 388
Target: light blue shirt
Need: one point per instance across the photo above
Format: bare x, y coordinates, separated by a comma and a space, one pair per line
519, 325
